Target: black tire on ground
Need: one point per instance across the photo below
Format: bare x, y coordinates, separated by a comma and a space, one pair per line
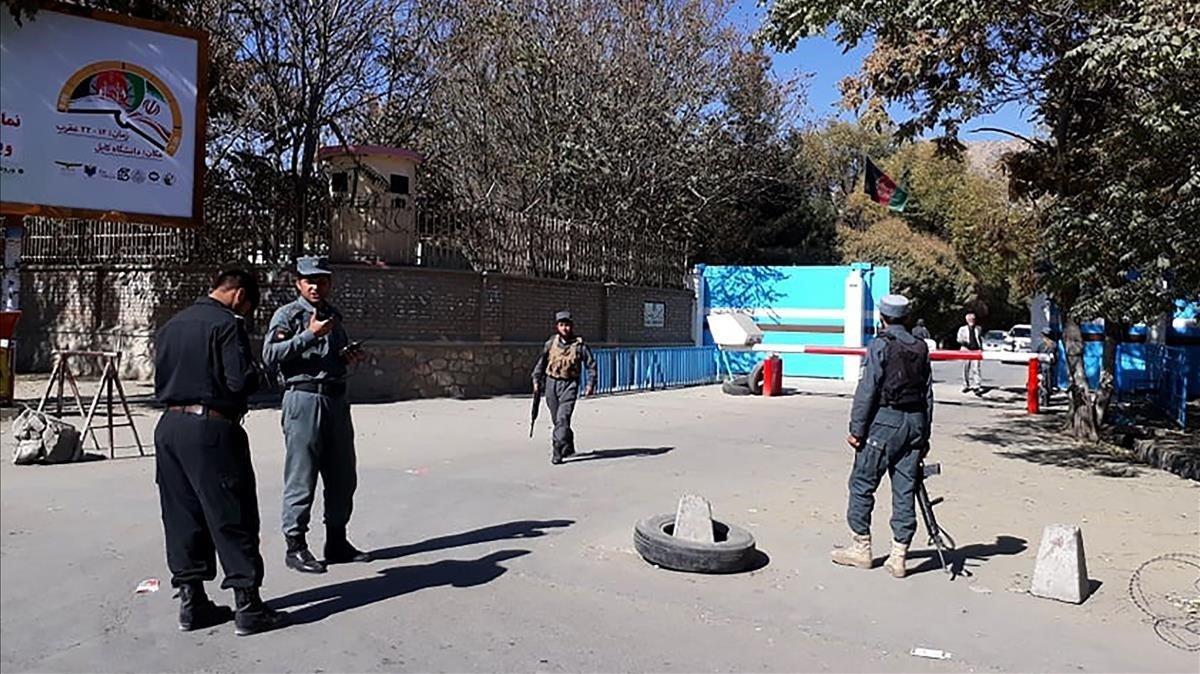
734, 389
733, 551
756, 379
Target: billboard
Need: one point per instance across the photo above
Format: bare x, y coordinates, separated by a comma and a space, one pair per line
101, 116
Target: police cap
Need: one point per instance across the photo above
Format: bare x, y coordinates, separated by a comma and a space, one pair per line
894, 306
313, 265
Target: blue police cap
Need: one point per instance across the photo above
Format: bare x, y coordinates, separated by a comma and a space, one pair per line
562, 316
894, 306
313, 265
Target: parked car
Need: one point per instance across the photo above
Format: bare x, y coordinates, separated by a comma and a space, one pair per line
995, 340
1019, 337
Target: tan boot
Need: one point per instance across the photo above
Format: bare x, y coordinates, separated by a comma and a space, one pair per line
858, 554
895, 561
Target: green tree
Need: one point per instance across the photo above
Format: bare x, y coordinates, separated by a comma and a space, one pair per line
924, 268
1116, 179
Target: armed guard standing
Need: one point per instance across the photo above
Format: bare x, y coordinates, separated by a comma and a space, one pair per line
889, 431
557, 371
203, 373
309, 346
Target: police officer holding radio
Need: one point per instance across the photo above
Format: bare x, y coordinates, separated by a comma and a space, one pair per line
308, 344
889, 431
204, 372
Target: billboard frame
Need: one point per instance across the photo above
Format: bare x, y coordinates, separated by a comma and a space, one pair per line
201, 37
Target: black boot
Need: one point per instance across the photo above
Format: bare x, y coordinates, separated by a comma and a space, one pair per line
555, 457
339, 550
299, 558
253, 616
197, 611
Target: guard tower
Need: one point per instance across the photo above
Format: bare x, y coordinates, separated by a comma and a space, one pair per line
373, 188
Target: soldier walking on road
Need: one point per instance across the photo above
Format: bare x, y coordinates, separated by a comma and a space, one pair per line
203, 374
308, 344
557, 373
889, 431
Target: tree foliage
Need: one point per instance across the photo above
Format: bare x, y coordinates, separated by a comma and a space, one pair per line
1115, 178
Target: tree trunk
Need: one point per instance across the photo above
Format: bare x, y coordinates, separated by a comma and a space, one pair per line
1082, 420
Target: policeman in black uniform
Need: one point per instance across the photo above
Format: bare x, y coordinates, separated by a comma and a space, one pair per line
889, 431
203, 373
557, 371
309, 345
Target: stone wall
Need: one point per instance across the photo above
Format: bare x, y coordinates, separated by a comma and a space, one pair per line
403, 370
410, 317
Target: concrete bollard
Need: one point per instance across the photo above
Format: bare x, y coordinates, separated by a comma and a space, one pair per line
1061, 571
693, 519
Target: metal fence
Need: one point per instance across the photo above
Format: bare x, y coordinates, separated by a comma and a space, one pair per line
428, 235
1157, 373
650, 368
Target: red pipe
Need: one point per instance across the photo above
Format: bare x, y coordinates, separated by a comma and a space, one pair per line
1031, 402
1031, 387
861, 351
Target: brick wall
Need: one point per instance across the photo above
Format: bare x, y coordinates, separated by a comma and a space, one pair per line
119, 309
530, 304
626, 311
381, 303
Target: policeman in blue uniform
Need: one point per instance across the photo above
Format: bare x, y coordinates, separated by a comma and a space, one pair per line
204, 371
308, 344
889, 431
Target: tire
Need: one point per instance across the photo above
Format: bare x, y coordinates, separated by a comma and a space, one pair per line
735, 389
734, 550
756, 378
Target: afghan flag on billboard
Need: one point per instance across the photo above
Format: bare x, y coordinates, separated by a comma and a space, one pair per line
883, 190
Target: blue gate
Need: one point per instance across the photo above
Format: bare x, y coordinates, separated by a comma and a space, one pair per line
649, 368
796, 305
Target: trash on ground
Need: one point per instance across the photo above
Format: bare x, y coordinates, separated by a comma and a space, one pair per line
931, 653
980, 589
147, 586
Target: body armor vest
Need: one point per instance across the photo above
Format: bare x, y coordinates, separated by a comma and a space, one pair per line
563, 360
905, 372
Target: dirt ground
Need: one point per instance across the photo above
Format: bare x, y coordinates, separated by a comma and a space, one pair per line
491, 559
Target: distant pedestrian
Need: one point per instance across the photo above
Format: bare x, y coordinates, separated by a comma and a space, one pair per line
203, 374
1047, 369
307, 342
920, 331
970, 338
889, 430
557, 371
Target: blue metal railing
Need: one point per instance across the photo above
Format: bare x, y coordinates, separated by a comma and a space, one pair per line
1157, 372
649, 368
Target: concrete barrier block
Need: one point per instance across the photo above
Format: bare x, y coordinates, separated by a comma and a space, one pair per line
693, 519
1061, 571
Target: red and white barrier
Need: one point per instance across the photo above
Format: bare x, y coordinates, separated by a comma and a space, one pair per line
736, 332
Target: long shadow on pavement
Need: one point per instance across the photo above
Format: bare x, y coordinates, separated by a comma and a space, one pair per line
321, 602
498, 532
1041, 440
601, 454
967, 557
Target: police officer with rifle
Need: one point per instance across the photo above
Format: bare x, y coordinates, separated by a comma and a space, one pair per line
889, 431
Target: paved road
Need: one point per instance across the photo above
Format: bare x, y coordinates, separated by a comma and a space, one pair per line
494, 560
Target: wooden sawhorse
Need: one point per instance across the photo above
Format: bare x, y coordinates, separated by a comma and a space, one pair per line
110, 380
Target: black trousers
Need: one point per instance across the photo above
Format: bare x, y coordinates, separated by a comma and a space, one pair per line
209, 500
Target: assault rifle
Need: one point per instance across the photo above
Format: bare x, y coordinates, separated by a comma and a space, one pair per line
939, 538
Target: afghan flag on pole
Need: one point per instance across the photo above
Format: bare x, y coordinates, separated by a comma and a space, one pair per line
883, 190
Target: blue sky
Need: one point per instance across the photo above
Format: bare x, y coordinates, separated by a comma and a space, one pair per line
825, 63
